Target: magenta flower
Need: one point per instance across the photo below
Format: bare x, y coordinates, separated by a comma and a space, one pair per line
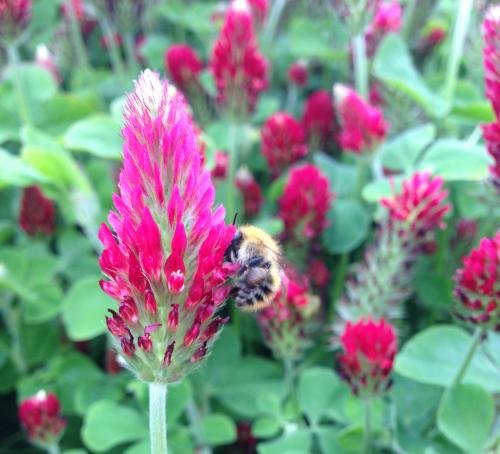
40, 416
478, 285
239, 69
219, 171
283, 141
369, 351
184, 66
318, 117
298, 73
286, 322
165, 257
363, 126
305, 202
491, 56
37, 212
491, 133
250, 191
15, 16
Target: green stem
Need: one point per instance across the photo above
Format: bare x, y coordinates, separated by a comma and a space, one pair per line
193, 415
360, 65
367, 433
114, 52
291, 98
289, 368
361, 171
77, 40
11, 320
231, 174
53, 449
132, 64
158, 418
457, 47
338, 287
274, 18
476, 339
13, 57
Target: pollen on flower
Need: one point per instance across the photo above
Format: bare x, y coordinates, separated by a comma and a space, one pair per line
165, 259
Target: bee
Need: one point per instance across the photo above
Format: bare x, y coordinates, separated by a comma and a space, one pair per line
259, 277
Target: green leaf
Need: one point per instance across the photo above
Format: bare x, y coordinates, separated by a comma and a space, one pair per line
98, 135
315, 392
402, 152
328, 442
179, 394
38, 84
342, 177
393, 65
45, 304
39, 342
385, 187
13, 171
266, 106
465, 417
84, 309
207, 81
107, 425
266, 427
349, 225
456, 160
435, 355
218, 429
350, 438
298, 442
153, 51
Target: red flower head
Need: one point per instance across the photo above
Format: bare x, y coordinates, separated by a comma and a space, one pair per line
318, 273
491, 133
419, 208
283, 141
40, 416
167, 250
387, 17
239, 69
15, 16
221, 163
250, 191
362, 126
491, 56
184, 66
284, 323
37, 213
298, 73
478, 285
259, 11
318, 117
369, 351
432, 38
305, 201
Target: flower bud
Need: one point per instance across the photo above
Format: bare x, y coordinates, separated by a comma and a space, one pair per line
37, 213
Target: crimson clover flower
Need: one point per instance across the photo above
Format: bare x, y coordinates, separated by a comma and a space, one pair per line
298, 73
478, 285
367, 361
318, 117
239, 69
40, 416
381, 282
164, 254
184, 66
15, 16
363, 126
305, 202
37, 212
283, 141
250, 191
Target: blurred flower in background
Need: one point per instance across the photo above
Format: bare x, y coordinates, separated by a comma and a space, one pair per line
478, 285
15, 16
318, 118
184, 66
305, 201
40, 416
37, 212
166, 272
250, 191
298, 73
283, 142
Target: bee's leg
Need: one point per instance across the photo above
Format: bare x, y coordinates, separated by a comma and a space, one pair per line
256, 261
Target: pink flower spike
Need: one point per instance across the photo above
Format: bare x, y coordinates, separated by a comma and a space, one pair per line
184, 66
318, 118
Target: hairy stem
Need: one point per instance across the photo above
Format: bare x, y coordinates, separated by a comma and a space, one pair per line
274, 18
367, 432
476, 339
77, 40
360, 65
53, 449
114, 51
158, 418
13, 58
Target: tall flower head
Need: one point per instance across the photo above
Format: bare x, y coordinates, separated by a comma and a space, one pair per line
491, 56
491, 133
305, 202
184, 66
381, 282
250, 191
15, 16
362, 126
387, 19
286, 322
259, 9
40, 416
318, 117
165, 257
37, 212
283, 141
478, 285
298, 73
369, 350
239, 69
418, 209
